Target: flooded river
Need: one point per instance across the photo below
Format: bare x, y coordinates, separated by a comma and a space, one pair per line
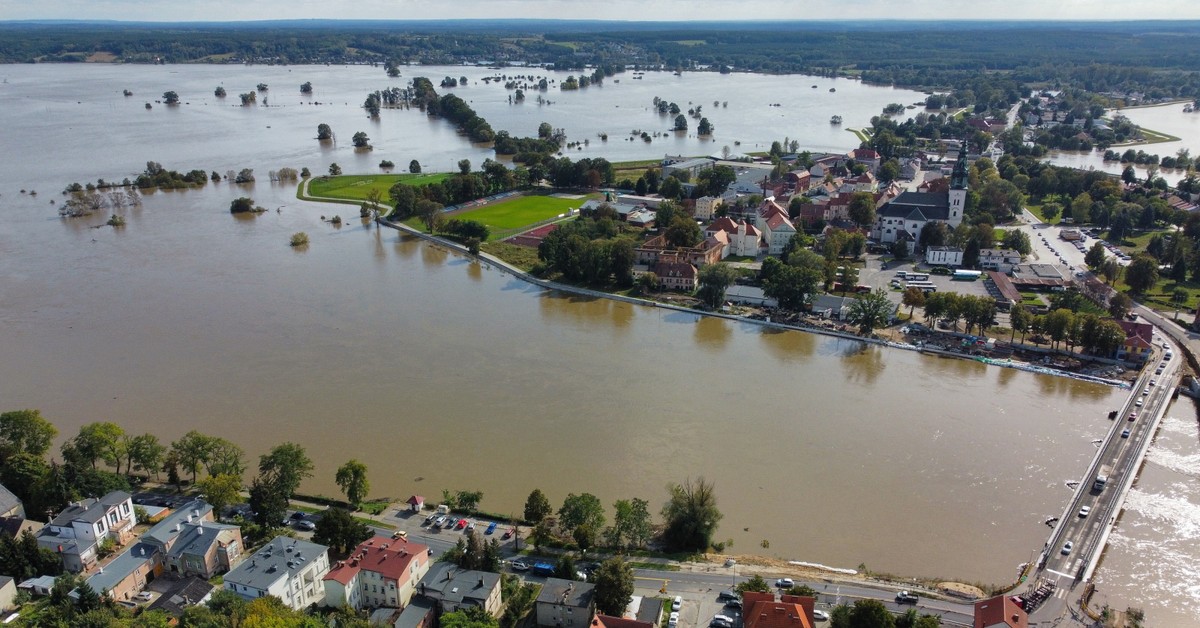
442, 374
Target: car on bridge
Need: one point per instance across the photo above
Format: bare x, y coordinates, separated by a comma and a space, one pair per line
1125, 433
1085, 511
1067, 547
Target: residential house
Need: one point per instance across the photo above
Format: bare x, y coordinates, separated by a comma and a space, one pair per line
777, 229
867, 157
1000, 612
380, 572
910, 168
904, 217
706, 206
452, 588
1139, 340
676, 274
12, 512
762, 610
566, 603
77, 531
641, 218
798, 180
1001, 260
126, 575
290, 569
204, 549
8, 593
40, 585
744, 239
422, 613
944, 256
864, 182
191, 591
832, 306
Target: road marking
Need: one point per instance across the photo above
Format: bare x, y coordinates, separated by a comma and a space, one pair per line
1059, 573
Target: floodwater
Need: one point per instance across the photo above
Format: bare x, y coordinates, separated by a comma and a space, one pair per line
442, 374
1169, 119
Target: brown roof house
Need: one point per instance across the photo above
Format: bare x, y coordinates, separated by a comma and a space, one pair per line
1000, 612
762, 610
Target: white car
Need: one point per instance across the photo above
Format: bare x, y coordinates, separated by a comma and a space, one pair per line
1138, 403
1085, 511
677, 603
820, 615
674, 620
1067, 547
785, 583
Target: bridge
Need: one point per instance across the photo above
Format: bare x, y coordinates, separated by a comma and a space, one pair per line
1091, 514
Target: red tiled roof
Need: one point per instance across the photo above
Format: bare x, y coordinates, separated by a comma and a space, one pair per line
1141, 331
608, 621
383, 555
865, 153
775, 221
724, 223
999, 611
415, 500
767, 613
752, 230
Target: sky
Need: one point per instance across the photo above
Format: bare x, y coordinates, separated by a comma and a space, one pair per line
641, 10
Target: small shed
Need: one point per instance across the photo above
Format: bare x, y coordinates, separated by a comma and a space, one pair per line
416, 503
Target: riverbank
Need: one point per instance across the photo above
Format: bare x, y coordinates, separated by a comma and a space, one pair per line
493, 261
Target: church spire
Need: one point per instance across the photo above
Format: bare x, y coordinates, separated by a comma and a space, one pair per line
958, 179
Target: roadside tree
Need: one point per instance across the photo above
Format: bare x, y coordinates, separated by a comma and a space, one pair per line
755, 584
631, 523
870, 614
145, 453
352, 479
268, 503
1142, 273
614, 586
429, 213
220, 490
340, 531
1095, 255
1119, 305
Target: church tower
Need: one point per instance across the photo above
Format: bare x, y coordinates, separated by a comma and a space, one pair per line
958, 188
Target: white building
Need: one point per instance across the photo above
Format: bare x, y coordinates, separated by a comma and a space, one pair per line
944, 256
905, 217
742, 239
380, 572
1002, 260
81, 526
290, 569
776, 227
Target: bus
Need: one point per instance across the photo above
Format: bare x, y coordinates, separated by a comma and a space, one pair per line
923, 286
917, 277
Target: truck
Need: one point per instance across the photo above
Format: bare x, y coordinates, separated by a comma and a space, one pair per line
1102, 478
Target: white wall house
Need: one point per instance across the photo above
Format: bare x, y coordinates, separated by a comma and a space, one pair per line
290, 569
944, 256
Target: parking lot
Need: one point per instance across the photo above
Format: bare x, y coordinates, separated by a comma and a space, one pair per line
876, 276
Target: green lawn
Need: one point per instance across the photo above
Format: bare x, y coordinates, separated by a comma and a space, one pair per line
356, 187
1133, 244
509, 217
1037, 211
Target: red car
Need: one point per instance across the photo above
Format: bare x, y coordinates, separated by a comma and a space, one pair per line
462, 523
509, 533
1132, 416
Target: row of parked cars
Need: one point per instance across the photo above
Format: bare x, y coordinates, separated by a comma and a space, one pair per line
448, 522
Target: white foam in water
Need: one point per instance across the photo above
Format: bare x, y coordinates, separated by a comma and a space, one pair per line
1158, 537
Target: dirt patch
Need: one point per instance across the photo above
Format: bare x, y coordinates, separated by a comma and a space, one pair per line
101, 57
958, 589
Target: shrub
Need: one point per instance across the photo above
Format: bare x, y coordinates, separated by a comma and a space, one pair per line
299, 239
241, 205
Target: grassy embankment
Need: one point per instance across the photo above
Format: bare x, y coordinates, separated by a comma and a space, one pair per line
354, 189
512, 216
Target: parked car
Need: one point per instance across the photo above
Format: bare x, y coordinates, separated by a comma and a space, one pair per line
430, 519
471, 527
520, 565
1067, 547
677, 603
441, 521
306, 525
462, 523
820, 615
145, 596
734, 603
491, 528
907, 597
673, 620
785, 583
726, 595
508, 533
719, 623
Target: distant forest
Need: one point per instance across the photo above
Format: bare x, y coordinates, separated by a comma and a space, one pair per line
1158, 59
